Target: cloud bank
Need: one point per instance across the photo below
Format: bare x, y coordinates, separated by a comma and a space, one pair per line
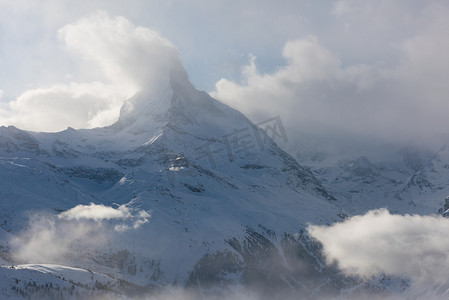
411, 246
316, 91
75, 232
125, 58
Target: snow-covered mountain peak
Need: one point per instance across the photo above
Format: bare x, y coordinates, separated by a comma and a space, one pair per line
175, 105
151, 103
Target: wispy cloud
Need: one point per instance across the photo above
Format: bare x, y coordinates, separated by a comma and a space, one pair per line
75, 232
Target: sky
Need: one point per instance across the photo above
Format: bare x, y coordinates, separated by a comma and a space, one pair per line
373, 69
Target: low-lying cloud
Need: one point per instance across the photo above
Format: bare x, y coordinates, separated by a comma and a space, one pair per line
134, 218
96, 212
411, 246
49, 240
73, 233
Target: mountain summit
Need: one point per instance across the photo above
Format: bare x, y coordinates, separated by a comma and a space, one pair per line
175, 103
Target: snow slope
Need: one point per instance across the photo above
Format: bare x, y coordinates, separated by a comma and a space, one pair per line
226, 203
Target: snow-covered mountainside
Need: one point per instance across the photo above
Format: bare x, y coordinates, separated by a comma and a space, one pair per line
181, 191
184, 192
402, 179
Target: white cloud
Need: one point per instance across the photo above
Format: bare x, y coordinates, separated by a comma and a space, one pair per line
57, 107
96, 212
131, 55
309, 90
73, 233
316, 91
410, 246
126, 57
101, 212
1, 94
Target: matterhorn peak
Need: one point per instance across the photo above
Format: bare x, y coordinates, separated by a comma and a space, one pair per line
174, 101
153, 99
